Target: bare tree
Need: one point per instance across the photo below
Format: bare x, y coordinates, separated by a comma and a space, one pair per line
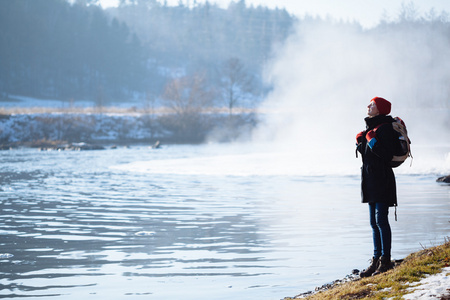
188, 95
236, 83
188, 98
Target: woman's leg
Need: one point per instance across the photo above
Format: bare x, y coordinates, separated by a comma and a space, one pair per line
377, 246
382, 222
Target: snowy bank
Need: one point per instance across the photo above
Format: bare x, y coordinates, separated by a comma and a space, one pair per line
121, 128
435, 286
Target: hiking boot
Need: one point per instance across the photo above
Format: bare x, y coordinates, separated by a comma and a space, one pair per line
371, 269
384, 264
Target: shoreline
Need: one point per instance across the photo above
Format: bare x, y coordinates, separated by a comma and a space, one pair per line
436, 286
424, 274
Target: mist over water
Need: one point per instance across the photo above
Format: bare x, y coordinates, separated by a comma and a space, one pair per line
324, 77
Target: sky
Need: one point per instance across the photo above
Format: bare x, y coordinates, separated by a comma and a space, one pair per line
366, 12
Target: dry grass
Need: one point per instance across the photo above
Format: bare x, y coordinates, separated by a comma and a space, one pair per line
392, 284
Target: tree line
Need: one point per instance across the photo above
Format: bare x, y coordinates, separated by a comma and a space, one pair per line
64, 50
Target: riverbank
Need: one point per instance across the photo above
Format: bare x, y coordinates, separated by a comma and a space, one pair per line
122, 127
421, 275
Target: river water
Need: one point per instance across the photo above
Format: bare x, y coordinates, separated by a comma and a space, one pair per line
173, 223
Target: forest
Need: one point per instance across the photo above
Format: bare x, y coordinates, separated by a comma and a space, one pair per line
54, 49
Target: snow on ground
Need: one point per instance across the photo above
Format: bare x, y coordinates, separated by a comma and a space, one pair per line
432, 287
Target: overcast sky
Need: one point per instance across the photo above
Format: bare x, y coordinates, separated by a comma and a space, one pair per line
366, 12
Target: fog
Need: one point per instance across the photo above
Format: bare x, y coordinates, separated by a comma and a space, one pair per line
324, 77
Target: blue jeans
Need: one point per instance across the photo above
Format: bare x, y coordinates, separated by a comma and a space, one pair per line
382, 236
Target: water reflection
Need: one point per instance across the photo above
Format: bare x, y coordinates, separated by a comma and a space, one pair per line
78, 228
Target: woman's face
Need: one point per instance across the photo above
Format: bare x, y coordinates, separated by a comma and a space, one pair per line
372, 109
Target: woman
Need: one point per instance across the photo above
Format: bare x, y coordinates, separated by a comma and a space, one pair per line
378, 189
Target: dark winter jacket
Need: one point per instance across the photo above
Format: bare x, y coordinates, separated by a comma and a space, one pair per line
377, 177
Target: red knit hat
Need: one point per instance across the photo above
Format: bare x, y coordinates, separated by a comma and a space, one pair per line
384, 106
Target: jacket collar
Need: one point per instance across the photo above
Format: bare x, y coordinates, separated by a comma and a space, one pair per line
377, 120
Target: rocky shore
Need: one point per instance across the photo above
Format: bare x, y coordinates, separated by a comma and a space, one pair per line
354, 276
328, 286
423, 274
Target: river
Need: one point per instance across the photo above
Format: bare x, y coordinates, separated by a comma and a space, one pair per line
173, 223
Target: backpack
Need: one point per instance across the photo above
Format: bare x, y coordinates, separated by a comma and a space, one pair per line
402, 148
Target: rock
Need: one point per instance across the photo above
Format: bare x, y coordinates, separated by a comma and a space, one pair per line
445, 179
351, 277
157, 145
